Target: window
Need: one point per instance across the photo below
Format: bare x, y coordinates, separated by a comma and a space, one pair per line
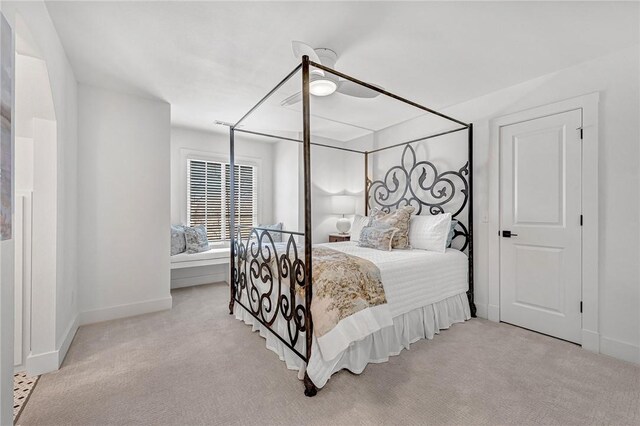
209, 203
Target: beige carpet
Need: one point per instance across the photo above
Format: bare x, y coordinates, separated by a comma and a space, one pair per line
197, 365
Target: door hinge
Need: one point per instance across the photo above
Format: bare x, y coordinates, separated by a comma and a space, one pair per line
581, 220
581, 306
581, 132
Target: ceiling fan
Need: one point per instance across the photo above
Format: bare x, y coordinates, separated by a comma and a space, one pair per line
324, 83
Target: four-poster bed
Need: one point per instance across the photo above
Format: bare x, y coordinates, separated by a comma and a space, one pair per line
270, 288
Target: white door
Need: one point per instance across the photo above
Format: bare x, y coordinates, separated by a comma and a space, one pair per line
540, 206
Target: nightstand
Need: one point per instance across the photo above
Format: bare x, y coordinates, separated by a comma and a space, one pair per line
335, 238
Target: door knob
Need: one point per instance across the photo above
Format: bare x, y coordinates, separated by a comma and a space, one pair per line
508, 234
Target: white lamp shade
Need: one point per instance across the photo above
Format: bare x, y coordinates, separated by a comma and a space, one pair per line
343, 204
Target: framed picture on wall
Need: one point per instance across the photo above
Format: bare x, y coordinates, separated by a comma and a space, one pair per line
6, 131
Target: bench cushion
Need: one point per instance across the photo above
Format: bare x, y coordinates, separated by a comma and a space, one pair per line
213, 256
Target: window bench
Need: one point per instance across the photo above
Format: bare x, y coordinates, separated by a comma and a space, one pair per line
214, 256
200, 268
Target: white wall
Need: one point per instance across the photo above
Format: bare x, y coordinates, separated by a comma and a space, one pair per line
44, 318
615, 77
123, 220
328, 177
63, 88
333, 172
286, 185
33, 93
24, 164
67, 230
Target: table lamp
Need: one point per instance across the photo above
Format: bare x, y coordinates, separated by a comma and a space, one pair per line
343, 204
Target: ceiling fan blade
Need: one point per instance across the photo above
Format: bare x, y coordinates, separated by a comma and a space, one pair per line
300, 49
348, 87
293, 99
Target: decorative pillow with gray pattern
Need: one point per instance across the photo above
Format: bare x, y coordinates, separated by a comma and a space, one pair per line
178, 243
397, 219
452, 232
379, 238
276, 236
196, 239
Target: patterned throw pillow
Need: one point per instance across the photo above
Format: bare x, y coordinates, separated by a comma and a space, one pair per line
359, 222
379, 238
276, 236
178, 243
396, 219
196, 239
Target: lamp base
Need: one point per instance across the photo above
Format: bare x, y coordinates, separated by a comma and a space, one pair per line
343, 225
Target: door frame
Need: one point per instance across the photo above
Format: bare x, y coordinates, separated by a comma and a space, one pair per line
588, 104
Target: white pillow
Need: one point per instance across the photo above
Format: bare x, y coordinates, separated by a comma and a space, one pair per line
358, 223
430, 232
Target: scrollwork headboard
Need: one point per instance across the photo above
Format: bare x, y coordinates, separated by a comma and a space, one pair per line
419, 184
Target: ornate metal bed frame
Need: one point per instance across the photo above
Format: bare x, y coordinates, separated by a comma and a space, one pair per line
269, 279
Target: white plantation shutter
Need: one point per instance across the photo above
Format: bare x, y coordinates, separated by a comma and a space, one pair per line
245, 189
209, 187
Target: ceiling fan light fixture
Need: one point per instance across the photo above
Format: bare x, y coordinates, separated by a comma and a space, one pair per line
322, 87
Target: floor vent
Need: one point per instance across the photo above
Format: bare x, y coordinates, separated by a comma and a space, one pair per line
22, 387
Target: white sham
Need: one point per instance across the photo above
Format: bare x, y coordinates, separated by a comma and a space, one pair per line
430, 232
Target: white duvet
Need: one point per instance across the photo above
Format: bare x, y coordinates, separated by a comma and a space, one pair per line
414, 278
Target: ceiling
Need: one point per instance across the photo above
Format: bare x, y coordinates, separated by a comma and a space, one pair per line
215, 60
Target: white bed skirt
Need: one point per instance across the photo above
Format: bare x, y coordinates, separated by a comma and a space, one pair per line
407, 328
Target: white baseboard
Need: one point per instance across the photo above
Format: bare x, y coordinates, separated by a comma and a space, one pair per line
482, 310
591, 341
47, 362
621, 350
198, 280
42, 363
493, 313
68, 336
123, 311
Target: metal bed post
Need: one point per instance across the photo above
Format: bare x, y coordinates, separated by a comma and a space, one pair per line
232, 218
472, 305
366, 183
309, 387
